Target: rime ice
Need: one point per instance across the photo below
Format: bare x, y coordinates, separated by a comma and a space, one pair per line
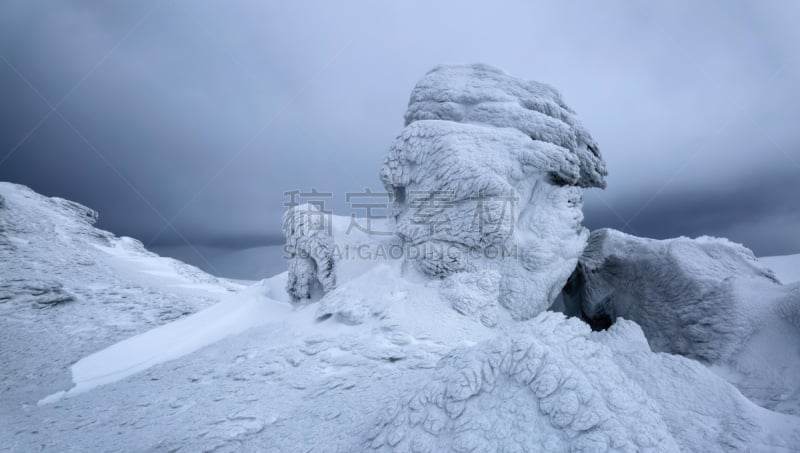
489, 161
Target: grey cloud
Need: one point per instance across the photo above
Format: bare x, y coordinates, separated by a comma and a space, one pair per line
212, 110
760, 211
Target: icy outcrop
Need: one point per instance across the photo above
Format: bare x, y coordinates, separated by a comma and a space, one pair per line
683, 292
487, 175
705, 298
473, 294
309, 245
68, 289
482, 94
552, 385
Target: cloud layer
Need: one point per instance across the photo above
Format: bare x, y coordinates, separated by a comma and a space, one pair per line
186, 121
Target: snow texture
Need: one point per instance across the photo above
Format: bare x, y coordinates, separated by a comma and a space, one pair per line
705, 298
551, 385
387, 359
482, 94
68, 289
486, 176
309, 246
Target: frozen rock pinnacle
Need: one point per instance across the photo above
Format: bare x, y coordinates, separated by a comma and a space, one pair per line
486, 175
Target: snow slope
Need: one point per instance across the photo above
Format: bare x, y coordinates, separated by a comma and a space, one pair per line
412, 373
68, 289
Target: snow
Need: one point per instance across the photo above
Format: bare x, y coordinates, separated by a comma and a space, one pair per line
482, 94
251, 307
69, 289
552, 385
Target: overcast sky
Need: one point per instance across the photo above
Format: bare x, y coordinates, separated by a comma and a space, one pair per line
186, 120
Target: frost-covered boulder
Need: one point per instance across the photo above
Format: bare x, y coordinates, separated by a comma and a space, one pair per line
705, 298
552, 385
482, 94
310, 247
487, 175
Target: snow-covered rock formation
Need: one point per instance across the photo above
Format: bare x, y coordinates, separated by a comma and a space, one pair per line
486, 176
705, 298
310, 247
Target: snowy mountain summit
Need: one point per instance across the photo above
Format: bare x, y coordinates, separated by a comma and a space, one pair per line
451, 334
485, 180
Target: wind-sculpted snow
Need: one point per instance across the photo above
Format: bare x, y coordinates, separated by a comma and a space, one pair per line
473, 294
68, 289
486, 175
704, 298
310, 248
551, 385
545, 387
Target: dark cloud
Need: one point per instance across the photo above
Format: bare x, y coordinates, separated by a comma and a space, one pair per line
761, 211
202, 114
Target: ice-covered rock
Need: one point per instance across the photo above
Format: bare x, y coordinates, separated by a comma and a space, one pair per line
551, 385
705, 298
482, 94
473, 294
487, 175
310, 247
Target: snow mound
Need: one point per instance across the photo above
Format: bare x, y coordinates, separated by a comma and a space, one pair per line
68, 289
251, 307
705, 298
486, 176
552, 385
545, 387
